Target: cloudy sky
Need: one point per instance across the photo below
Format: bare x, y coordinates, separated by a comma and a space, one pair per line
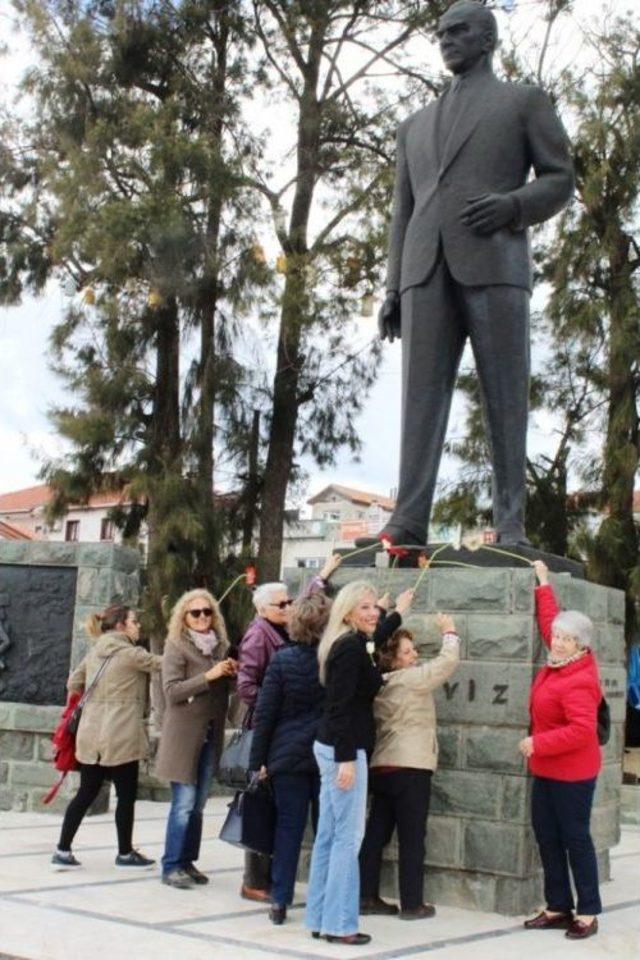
28, 388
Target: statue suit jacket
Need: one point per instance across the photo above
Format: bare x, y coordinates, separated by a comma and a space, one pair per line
502, 132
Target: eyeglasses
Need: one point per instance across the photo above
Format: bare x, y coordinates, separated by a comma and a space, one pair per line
282, 605
196, 614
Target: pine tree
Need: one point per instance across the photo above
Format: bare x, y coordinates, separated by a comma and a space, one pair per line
123, 183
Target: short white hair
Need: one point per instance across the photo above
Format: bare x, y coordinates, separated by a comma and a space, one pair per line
576, 624
263, 595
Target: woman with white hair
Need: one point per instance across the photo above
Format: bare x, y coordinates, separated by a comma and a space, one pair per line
195, 668
345, 737
266, 634
564, 757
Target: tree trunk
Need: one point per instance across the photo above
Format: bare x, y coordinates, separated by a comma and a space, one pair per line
165, 466
616, 548
293, 317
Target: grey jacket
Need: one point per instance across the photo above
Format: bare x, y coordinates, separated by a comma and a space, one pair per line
504, 131
191, 703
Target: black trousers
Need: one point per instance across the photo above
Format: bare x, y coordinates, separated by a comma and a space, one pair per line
92, 776
560, 813
399, 799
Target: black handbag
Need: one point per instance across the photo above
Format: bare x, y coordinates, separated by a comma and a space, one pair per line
251, 820
74, 720
233, 769
604, 722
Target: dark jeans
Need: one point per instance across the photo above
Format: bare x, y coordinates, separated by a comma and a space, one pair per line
184, 826
398, 799
560, 813
294, 793
92, 776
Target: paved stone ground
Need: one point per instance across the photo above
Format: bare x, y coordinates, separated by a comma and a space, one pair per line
99, 912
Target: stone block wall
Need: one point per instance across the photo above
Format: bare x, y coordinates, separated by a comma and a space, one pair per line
26, 770
481, 851
101, 572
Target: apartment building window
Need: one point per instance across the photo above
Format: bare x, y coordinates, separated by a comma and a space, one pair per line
310, 563
72, 531
107, 529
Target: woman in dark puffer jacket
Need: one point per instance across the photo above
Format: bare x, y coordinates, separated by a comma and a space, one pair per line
289, 708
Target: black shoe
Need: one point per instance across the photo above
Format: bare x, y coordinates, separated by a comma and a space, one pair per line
315, 934
357, 939
179, 879
64, 859
133, 859
277, 915
196, 875
423, 912
375, 905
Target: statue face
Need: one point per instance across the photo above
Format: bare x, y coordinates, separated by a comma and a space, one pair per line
464, 38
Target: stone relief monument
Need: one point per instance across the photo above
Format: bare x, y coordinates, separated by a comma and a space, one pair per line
460, 266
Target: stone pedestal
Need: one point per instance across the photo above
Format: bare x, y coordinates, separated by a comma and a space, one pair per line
481, 852
47, 591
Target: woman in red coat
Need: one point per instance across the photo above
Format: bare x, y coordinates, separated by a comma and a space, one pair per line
564, 759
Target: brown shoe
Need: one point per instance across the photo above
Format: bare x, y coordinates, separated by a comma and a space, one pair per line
579, 930
376, 905
423, 912
561, 921
252, 893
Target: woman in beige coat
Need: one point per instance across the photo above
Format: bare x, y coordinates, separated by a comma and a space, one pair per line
111, 738
195, 668
405, 756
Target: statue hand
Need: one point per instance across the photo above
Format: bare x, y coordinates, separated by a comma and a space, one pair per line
489, 212
389, 318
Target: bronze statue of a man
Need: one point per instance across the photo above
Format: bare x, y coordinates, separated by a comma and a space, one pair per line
460, 264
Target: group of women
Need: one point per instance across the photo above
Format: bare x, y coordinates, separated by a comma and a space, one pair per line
341, 709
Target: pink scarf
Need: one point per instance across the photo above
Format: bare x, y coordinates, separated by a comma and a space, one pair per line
205, 642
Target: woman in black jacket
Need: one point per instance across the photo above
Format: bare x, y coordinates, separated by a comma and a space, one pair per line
345, 736
288, 711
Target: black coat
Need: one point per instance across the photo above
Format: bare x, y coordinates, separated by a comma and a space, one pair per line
288, 711
352, 681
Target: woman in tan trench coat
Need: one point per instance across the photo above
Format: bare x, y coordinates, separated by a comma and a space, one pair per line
111, 739
405, 756
195, 669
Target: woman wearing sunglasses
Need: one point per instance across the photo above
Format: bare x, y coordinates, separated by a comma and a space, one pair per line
195, 668
266, 634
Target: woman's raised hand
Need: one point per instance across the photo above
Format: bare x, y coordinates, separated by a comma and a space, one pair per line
542, 572
331, 565
226, 668
404, 601
445, 623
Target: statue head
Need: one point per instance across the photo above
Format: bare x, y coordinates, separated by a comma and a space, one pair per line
467, 32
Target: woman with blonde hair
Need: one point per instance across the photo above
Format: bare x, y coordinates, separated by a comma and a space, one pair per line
195, 668
111, 738
345, 736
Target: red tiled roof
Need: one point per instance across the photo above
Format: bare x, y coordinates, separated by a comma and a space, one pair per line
12, 531
24, 501
355, 496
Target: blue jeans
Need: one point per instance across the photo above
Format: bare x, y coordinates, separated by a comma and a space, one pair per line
294, 793
184, 826
333, 898
560, 813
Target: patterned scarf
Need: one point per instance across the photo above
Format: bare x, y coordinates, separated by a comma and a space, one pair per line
578, 655
205, 642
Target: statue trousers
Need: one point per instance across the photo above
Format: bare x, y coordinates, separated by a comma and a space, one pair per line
437, 319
